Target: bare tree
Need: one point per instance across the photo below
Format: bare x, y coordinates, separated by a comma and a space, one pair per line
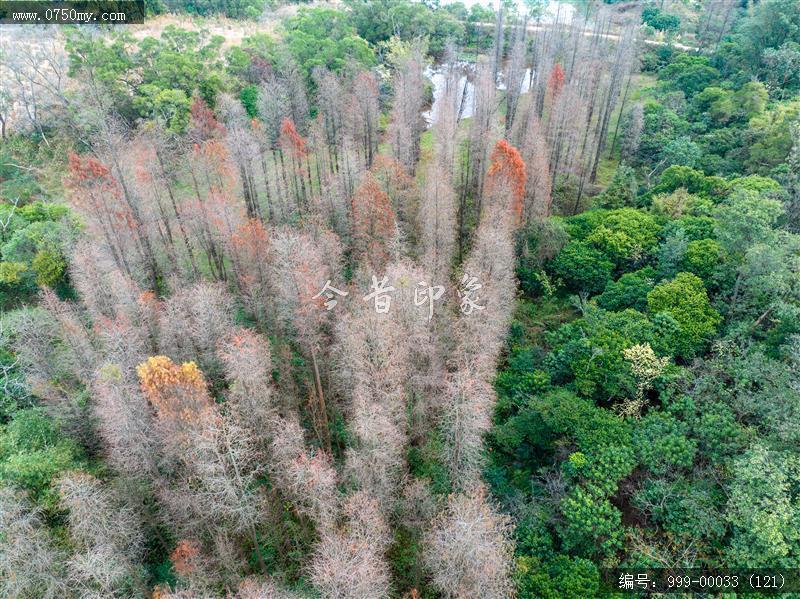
296, 87
107, 536
363, 112
125, 423
718, 18
243, 148
632, 134
469, 396
214, 214
224, 466
373, 359
467, 417
469, 550
31, 563
213, 462
331, 96
250, 247
98, 196
108, 294
46, 361
248, 369
349, 560
256, 589
538, 189
111, 146
307, 477
193, 321
622, 66
515, 74
497, 47
73, 332
481, 136
160, 154
448, 114
6, 111
300, 273
34, 69
295, 148
437, 222
406, 119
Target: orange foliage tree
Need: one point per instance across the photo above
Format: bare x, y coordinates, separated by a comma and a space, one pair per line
291, 141
203, 125
185, 556
401, 188
374, 225
555, 84
293, 144
556, 81
506, 176
177, 392
250, 248
97, 195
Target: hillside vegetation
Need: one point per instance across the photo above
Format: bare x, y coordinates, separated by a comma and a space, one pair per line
267, 332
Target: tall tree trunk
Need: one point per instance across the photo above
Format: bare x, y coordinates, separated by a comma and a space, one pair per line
323, 409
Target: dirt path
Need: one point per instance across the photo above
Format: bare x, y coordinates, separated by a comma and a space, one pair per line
533, 27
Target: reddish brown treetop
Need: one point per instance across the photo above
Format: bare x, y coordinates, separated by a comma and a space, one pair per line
204, 125
507, 169
291, 140
556, 81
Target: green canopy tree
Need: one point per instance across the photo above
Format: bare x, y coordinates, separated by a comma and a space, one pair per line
582, 268
689, 73
770, 137
685, 299
324, 37
622, 189
379, 20
629, 291
764, 509
702, 257
588, 353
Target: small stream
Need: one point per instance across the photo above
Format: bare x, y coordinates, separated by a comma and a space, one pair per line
437, 74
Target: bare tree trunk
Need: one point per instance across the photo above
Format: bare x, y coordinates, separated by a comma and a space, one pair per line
174, 204
619, 116
323, 409
498, 42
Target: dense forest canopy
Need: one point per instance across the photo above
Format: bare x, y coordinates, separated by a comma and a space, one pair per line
385, 298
